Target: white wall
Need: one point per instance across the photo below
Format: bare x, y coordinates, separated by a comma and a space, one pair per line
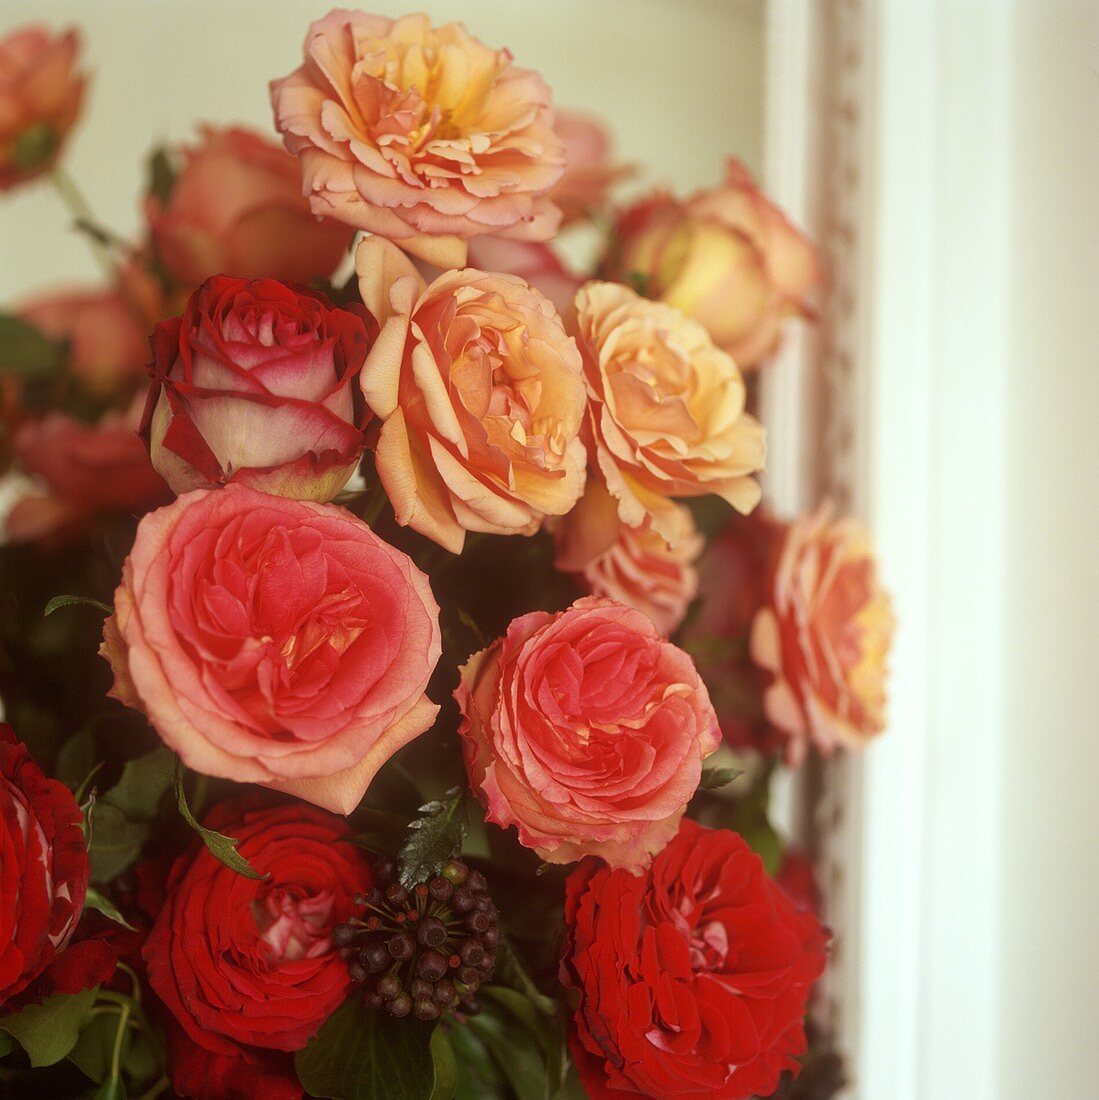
680, 80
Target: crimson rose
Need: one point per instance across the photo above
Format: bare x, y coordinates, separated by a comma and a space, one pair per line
242, 963
693, 977
43, 867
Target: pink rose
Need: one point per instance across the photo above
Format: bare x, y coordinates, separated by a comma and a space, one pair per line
481, 395
637, 566
108, 344
590, 171
40, 96
420, 134
274, 641
728, 257
236, 209
258, 384
823, 636
586, 730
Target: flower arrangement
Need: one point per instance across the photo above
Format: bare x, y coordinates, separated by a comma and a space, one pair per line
396, 650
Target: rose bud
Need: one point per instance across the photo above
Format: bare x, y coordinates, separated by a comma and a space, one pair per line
692, 978
823, 635
236, 208
590, 172
40, 97
420, 134
727, 257
258, 384
45, 867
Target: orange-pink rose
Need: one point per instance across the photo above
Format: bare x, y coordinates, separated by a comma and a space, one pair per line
274, 641
824, 635
727, 257
667, 409
532, 261
636, 567
40, 96
236, 208
586, 730
590, 171
482, 397
420, 134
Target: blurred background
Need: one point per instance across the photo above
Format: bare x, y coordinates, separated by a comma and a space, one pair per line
947, 154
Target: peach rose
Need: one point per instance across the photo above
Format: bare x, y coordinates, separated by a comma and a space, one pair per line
533, 262
589, 170
824, 636
637, 567
586, 730
258, 384
666, 407
727, 257
236, 208
40, 96
420, 134
108, 345
274, 641
482, 397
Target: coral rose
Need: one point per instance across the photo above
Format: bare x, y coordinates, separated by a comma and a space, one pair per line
586, 730
236, 208
823, 636
247, 966
667, 412
533, 262
482, 397
692, 978
420, 134
43, 867
258, 384
727, 257
637, 567
108, 344
40, 96
274, 641
589, 170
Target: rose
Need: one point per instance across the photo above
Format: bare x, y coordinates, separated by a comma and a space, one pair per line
533, 262
257, 384
692, 978
420, 134
727, 257
43, 867
243, 963
86, 471
107, 344
40, 97
589, 170
481, 396
236, 208
585, 730
823, 636
637, 567
274, 641
666, 409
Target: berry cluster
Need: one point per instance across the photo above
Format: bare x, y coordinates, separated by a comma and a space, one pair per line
422, 951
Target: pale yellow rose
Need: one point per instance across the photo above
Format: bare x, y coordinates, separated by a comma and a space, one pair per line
824, 635
481, 394
666, 409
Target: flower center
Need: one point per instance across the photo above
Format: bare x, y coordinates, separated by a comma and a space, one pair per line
294, 927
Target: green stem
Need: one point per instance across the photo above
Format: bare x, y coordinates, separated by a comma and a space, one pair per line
134, 981
78, 206
116, 1054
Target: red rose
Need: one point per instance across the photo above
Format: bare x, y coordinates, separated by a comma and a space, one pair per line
693, 977
43, 867
257, 383
244, 963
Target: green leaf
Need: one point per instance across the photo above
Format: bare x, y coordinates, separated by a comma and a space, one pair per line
26, 352
220, 846
360, 1054
548, 1036
142, 784
93, 899
713, 778
514, 1049
433, 838
93, 1050
116, 842
47, 1032
161, 175
69, 601
510, 970
76, 759
111, 1089
7, 1044
445, 1065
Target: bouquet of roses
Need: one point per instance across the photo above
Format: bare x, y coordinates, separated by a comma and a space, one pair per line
396, 653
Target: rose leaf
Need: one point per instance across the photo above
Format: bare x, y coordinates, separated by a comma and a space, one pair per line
26, 352
69, 601
433, 838
48, 1031
445, 1065
714, 778
95, 900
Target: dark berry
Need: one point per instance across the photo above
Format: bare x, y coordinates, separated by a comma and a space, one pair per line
426, 1010
472, 953
431, 965
456, 872
462, 901
401, 946
400, 1006
432, 932
389, 986
439, 888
